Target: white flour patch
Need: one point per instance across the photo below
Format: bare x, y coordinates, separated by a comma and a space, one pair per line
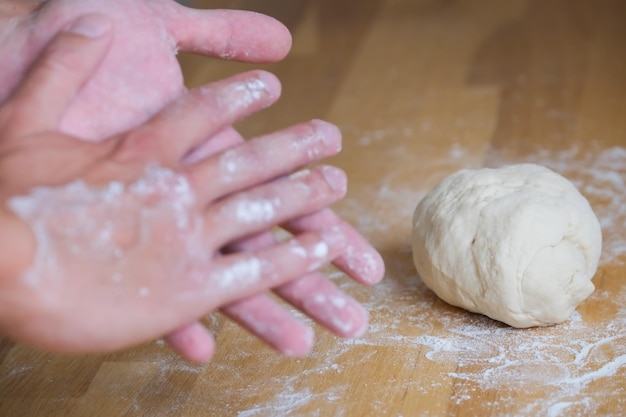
312, 144
242, 94
230, 162
240, 274
105, 232
320, 250
298, 251
256, 211
292, 398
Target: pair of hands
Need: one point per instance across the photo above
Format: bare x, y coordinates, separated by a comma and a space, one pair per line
138, 121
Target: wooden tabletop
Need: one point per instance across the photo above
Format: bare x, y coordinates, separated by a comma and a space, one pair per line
420, 88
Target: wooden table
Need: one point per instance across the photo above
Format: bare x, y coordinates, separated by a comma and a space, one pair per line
420, 88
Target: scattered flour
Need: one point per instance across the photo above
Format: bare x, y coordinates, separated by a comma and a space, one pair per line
570, 370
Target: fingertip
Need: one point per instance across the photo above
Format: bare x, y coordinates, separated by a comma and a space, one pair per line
299, 345
272, 38
374, 267
336, 178
330, 133
249, 89
201, 352
239, 35
193, 342
361, 260
362, 325
283, 43
271, 82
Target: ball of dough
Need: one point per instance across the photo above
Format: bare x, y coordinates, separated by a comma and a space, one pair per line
519, 244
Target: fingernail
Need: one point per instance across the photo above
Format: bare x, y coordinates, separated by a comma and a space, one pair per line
91, 26
336, 178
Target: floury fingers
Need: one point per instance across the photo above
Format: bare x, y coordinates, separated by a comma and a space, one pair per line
149, 238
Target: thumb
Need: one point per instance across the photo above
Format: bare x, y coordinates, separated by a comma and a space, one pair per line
59, 73
229, 34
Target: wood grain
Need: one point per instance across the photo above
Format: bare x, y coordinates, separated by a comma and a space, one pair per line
420, 88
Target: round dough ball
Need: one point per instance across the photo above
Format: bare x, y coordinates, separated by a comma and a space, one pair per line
519, 244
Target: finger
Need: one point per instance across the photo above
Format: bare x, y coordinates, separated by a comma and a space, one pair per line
321, 300
199, 114
240, 275
270, 322
314, 295
230, 34
259, 314
359, 260
263, 158
217, 143
193, 342
58, 74
270, 204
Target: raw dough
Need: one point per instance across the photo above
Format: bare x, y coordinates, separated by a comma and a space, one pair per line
519, 244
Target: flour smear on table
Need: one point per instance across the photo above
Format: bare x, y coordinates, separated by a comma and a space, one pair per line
567, 369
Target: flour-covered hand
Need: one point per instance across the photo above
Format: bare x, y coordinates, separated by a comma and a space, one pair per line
137, 78
118, 242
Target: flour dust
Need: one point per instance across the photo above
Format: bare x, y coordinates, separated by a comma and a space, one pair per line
572, 369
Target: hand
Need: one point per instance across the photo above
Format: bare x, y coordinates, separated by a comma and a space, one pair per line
127, 257
317, 297
161, 81
141, 74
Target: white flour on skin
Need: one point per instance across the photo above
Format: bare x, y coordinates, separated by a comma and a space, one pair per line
320, 251
239, 95
570, 370
240, 274
107, 233
255, 211
313, 143
230, 162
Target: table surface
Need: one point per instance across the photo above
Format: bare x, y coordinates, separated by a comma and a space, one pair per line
420, 88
